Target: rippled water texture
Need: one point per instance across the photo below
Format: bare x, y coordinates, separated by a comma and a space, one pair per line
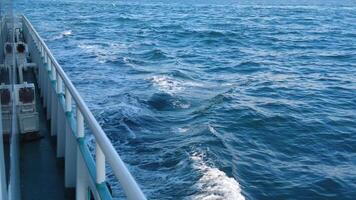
216, 101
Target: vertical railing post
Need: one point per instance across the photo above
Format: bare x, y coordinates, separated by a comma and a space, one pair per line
68, 101
80, 124
39, 66
59, 84
54, 103
81, 192
45, 79
43, 67
70, 144
81, 187
60, 118
100, 164
42, 52
48, 87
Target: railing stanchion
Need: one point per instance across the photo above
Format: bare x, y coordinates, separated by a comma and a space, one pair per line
41, 50
81, 187
59, 84
70, 144
81, 192
43, 68
100, 164
44, 81
54, 99
60, 118
48, 94
80, 123
68, 101
39, 67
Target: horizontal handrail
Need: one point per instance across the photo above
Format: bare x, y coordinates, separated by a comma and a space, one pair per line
128, 183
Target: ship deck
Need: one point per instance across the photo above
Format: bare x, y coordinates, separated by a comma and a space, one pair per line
41, 172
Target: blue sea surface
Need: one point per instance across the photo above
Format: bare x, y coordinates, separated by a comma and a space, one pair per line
216, 100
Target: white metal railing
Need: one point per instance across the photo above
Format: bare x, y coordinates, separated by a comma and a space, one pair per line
104, 150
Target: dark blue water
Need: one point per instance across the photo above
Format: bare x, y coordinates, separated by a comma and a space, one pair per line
251, 100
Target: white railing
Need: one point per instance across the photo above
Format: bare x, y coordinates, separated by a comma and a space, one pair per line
59, 96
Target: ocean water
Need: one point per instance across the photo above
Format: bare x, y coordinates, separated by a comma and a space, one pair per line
216, 100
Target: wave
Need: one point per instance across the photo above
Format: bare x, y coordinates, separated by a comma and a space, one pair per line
167, 84
134, 62
164, 101
66, 33
214, 183
203, 33
102, 51
63, 34
154, 55
125, 114
243, 67
217, 100
170, 85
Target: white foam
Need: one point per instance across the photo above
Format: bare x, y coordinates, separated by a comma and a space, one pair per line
212, 130
180, 104
183, 129
185, 105
62, 35
172, 86
66, 33
167, 84
126, 60
102, 54
214, 184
